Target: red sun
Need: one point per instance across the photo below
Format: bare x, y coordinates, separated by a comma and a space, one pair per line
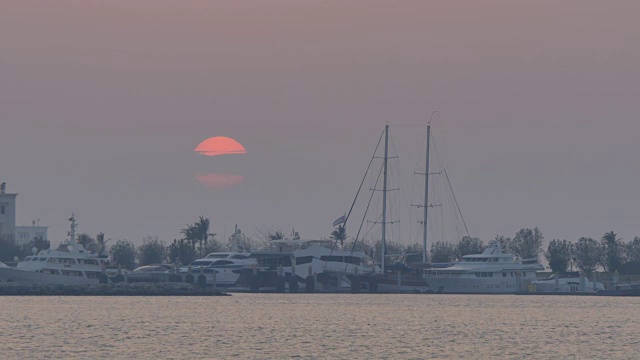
220, 145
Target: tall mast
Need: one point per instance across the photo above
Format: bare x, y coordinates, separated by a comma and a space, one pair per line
384, 196
426, 197
72, 232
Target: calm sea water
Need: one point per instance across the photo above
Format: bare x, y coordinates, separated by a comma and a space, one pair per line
272, 326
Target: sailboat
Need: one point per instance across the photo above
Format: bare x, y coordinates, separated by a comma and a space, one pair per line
398, 277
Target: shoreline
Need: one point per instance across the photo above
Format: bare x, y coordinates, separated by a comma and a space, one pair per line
131, 289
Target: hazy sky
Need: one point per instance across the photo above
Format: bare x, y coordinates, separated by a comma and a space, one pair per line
103, 102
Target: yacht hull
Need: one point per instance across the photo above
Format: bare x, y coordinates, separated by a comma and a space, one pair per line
476, 286
394, 284
14, 275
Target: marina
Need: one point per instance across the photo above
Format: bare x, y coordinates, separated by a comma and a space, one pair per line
295, 265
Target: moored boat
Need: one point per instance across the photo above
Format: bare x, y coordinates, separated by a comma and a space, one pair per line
227, 267
492, 272
69, 264
570, 282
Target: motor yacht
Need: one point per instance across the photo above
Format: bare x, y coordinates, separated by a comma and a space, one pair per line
320, 257
492, 272
69, 264
571, 282
227, 267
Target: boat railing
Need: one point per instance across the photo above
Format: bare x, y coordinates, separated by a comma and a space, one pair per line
438, 273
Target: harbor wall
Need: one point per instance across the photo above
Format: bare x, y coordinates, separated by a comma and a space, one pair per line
122, 289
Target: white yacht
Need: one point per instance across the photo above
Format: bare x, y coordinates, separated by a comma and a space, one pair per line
492, 272
69, 264
571, 282
226, 266
318, 257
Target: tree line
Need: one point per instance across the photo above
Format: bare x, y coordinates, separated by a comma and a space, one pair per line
587, 255
197, 241
610, 253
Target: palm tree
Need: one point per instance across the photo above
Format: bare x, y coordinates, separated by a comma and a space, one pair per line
102, 244
340, 234
198, 233
87, 242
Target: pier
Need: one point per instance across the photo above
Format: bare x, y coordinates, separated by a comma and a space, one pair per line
121, 289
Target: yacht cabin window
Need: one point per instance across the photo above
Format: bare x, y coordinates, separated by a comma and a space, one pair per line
304, 260
222, 262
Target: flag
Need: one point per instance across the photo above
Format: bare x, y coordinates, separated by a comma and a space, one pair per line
341, 220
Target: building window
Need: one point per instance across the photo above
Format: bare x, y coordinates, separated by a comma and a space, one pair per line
3, 209
23, 236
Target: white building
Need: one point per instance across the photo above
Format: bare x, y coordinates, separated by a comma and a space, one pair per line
7, 213
8, 229
24, 234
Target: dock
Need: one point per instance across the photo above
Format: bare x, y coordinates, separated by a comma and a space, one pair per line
131, 289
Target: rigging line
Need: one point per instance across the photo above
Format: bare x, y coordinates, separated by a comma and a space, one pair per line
358, 192
372, 227
445, 194
456, 202
398, 202
402, 182
440, 212
363, 179
353, 247
408, 125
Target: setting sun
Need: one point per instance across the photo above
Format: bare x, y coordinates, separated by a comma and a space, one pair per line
220, 145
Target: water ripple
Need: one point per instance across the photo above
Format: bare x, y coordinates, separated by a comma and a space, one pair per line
267, 326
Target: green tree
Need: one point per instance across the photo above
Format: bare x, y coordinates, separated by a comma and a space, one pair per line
588, 255
123, 253
527, 244
413, 253
268, 233
506, 243
277, 235
101, 244
361, 246
88, 242
612, 252
152, 251
559, 254
442, 252
468, 246
198, 234
632, 250
244, 242
40, 243
393, 249
214, 245
8, 249
340, 234
180, 252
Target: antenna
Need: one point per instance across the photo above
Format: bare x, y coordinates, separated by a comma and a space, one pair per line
72, 232
384, 196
